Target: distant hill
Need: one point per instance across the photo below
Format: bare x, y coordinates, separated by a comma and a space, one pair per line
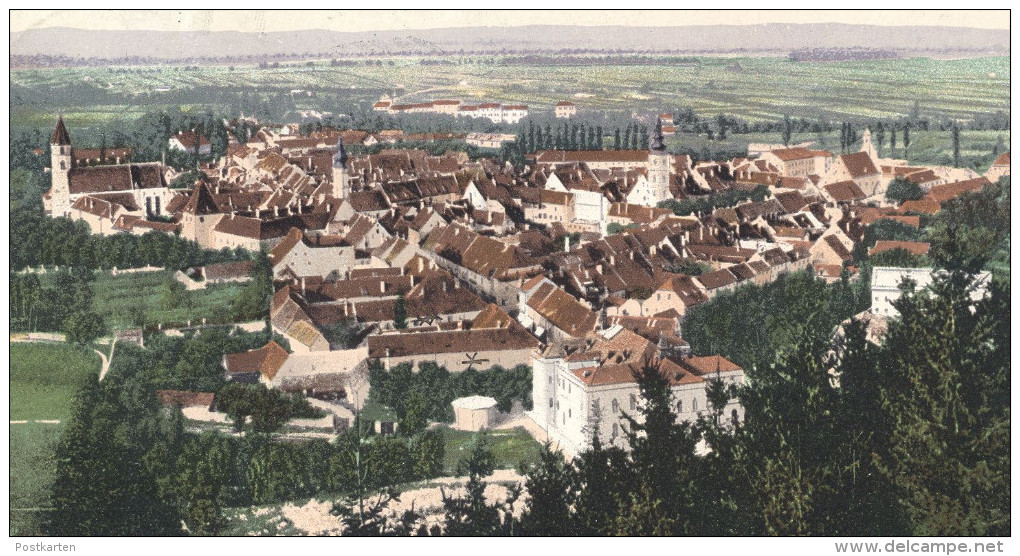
766, 39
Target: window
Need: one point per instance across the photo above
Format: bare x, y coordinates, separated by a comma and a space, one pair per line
616, 429
570, 412
733, 417
550, 402
680, 406
633, 402
63, 165
695, 404
564, 418
616, 406
550, 379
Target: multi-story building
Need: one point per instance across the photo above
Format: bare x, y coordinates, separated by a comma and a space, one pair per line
580, 391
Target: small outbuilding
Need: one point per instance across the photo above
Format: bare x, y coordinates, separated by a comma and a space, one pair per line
474, 413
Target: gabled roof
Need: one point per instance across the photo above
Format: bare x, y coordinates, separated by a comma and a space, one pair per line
561, 309
797, 153
1003, 160
201, 201
265, 360
845, 191
837, 247
513, 337
491, 317
914, 247
859, 164
717, 279
944, 192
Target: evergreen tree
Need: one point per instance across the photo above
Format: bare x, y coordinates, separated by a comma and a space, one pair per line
956, 145
400, 314
551, 487
662, 456
470, 514
946, 394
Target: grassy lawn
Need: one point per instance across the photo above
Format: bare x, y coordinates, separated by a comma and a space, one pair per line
511, 447
32, 472
44, 378
125, 298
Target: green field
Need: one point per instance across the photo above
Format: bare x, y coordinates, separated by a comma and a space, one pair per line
32, 473
511, 448
124, 299
44, 378
764, 88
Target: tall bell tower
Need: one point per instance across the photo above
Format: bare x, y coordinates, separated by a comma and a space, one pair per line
658, 165
60, 168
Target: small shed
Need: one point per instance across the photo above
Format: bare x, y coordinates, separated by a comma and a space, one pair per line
474, 413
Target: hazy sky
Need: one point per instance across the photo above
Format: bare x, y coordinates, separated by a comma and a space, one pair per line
224, 20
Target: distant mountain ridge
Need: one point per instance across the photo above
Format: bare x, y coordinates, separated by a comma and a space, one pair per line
775, 38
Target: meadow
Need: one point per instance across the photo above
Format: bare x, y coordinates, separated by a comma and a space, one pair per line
43, 381
510, 447
124, 300
752, 88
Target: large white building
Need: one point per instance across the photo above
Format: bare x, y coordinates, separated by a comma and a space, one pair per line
885, 286
583, 389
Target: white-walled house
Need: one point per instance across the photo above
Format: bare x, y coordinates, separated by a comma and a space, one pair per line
587, 391
885, 286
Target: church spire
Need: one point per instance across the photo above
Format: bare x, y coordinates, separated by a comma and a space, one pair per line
340, 158
658, 141
60, 135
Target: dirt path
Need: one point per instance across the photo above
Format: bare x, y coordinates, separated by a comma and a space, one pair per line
106, 361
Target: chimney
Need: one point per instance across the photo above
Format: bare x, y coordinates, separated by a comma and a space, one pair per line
302, 285
258, 213
382, 286
456, 284
651, 250
612, 260
598, 268
566, 243
276, 211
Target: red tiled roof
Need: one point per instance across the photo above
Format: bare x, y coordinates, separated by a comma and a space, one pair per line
561, 309
513, 337
945, 192
184, 398
845, 191
914, 247
859, 164
797, 153
923, 206
265, 360
187, 138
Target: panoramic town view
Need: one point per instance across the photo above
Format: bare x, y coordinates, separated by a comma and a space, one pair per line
671, 277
